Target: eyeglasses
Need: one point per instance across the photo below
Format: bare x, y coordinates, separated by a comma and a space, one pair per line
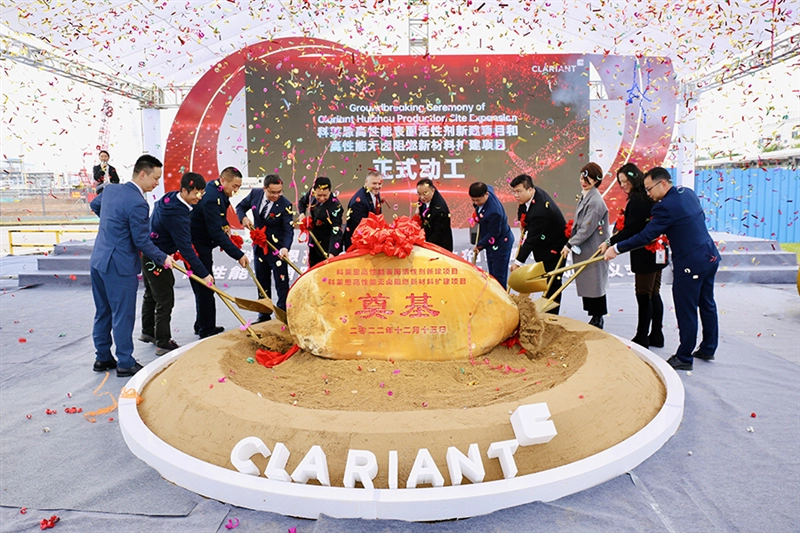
650, 188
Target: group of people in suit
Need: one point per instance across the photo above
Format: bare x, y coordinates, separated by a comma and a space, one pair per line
193, 221
656, 214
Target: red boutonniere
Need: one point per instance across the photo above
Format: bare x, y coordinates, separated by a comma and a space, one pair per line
658, 244
620, 223
568, 229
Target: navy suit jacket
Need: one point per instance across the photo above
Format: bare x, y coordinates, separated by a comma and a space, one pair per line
124, 230
279, 223
494, 229
171, 230
680, 216
359, 208
210, 218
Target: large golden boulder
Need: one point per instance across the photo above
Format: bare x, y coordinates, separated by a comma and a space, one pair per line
427, 306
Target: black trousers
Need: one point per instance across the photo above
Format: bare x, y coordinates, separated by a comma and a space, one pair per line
267, 267
159, 299
595, 306
205, 306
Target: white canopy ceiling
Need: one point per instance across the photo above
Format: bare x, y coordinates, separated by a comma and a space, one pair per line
165, 42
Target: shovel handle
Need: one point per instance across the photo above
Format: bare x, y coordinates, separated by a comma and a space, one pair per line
261, 290
288, 262
319, 246
476, 251
581, 267
224, 296
593, 259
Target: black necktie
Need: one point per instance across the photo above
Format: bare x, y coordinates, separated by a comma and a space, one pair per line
265, 211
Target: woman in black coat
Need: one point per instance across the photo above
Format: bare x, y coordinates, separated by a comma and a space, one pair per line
646, 263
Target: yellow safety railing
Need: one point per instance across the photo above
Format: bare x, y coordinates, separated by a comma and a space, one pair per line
58, 233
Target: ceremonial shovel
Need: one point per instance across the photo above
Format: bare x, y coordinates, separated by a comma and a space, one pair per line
265, 299
249, 305
284, 258
533, 278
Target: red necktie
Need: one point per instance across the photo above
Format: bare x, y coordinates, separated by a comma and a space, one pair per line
377, 204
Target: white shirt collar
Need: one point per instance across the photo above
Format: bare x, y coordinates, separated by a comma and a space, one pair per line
184, 202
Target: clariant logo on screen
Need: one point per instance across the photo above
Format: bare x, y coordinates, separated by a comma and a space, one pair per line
555, 67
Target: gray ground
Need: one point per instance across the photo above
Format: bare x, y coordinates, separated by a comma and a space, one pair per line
734, 480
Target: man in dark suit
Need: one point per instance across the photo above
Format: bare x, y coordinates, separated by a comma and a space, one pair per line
435, 215
365, 201
170, 231
123, 233
543, 225
495, 235
323, 219
210, 229
104, 173
269, 208
695, 257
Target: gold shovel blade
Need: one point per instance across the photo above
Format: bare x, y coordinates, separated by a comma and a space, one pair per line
529, 278
543, 305
260, 306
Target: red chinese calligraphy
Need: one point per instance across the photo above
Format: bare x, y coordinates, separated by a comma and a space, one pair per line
419, 306
375, 306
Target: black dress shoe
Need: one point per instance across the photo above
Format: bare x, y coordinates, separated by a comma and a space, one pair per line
677, 364
103, 366
128, 372
263, 318
597, 321
656, 340
644, 342
144, 337
211, 332
702, 355
166, 348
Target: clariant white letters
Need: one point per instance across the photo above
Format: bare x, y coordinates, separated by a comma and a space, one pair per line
362, 465
277, 463
392, 469
504, 451
459, 465
313, 466
244, 450
531, 424
424, 471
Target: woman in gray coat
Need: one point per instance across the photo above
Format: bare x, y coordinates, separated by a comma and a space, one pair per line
589, 231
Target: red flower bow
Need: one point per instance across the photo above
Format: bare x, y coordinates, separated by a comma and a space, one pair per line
303, 225
620, 223
237, 241
259, 237
374, 235
658, 244
568, 229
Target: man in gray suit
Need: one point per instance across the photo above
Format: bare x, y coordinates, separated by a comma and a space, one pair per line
124, 232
